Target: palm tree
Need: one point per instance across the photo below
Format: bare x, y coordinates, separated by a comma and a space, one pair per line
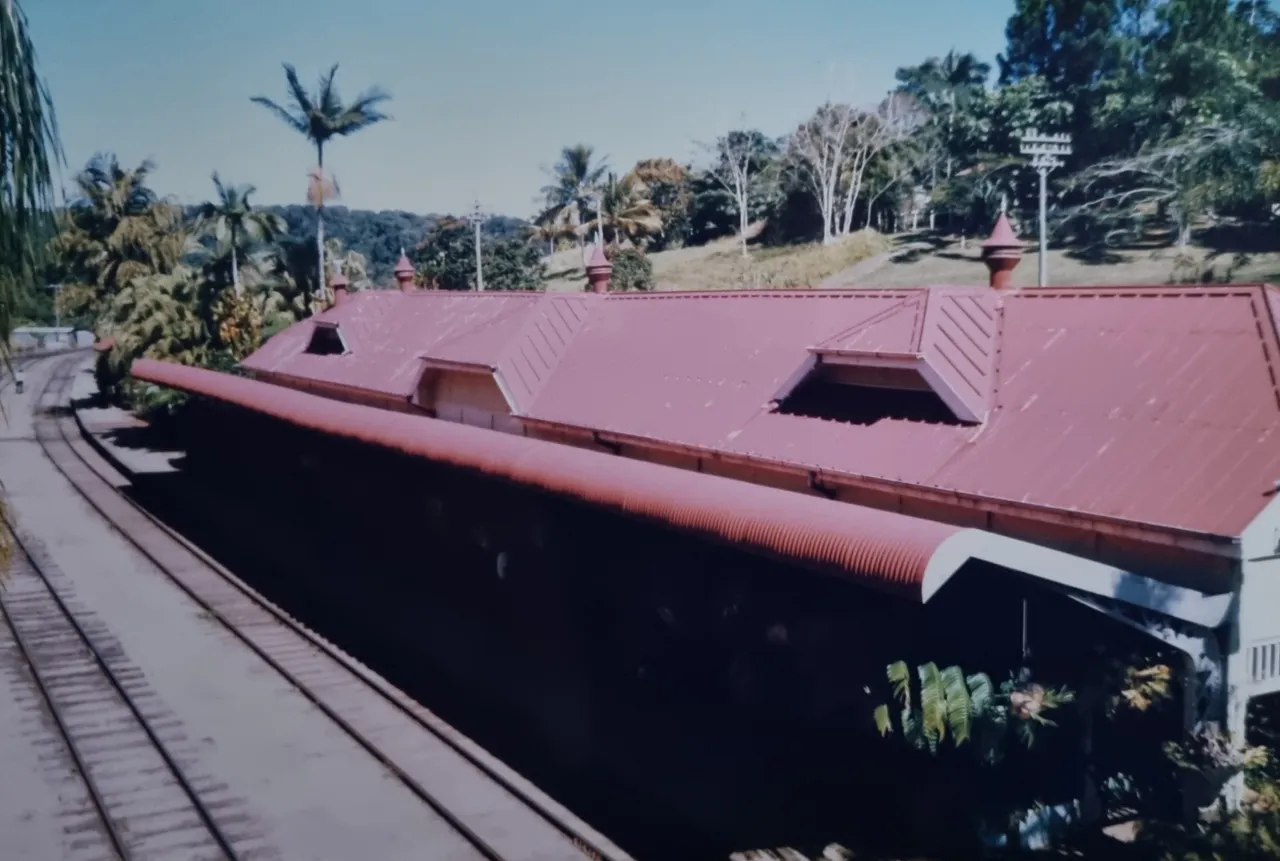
232, 218
118, 229
29, 149
626, 211
575, 186
159, 316
552, 226
321, 116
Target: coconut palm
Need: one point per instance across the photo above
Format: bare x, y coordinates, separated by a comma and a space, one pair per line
157, 316
232, 219
626, 211
575, 187
551, 226
321, 116
29, 149
118, 229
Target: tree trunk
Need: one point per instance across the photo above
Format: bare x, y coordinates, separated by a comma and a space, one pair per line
858, 172
951, 118
320, 282
235, 268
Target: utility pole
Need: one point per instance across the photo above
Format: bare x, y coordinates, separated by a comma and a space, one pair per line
1046, 152
477, 218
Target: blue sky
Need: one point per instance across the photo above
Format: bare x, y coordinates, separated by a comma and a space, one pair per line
485, 92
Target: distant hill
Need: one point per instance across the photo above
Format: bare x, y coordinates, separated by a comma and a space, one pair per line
379, 235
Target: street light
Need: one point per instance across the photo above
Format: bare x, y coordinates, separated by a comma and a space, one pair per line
477, 218
1045, 152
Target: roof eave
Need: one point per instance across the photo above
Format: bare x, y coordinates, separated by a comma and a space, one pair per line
896, 553
1200, 542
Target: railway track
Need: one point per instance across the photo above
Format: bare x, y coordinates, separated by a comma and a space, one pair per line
125, 752
501, 816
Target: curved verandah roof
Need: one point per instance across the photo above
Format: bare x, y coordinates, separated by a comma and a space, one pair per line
910, 557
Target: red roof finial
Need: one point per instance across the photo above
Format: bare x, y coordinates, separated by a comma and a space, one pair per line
339, 284
1002, 252
598, 271
1002, 235
404, 272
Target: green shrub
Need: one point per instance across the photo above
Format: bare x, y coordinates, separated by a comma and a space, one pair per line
631, 270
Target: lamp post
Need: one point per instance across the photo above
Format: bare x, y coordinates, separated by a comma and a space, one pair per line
1046, 152
477, 218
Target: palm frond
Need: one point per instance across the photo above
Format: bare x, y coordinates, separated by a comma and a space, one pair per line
958, 704
321, 115
327, 101
296, 123
298, 93
899, 675
29, 151
884, 724
932, 702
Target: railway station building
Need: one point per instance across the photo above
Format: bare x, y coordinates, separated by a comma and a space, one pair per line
1007, 475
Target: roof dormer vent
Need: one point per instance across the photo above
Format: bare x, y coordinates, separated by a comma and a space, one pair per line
930, 357
326, 340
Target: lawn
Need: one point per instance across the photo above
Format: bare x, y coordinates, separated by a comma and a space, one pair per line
920, 260
720, 265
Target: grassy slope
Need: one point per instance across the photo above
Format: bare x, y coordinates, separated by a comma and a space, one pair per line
937, 263
720, 265
918, 261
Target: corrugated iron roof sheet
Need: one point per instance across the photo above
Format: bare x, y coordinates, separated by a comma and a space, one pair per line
1155, 406
388, 333
881, 549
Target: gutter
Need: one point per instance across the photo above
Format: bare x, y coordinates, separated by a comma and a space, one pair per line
340, 391
1201, 542
1227, 547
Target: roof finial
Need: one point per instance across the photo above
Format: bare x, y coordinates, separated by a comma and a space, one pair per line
404, 272
1001, 253
598, 271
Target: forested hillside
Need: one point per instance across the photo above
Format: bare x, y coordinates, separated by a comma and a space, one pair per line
379, 235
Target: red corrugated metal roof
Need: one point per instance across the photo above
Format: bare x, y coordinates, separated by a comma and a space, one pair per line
1153, 406
522, 335
882, 549
947, 334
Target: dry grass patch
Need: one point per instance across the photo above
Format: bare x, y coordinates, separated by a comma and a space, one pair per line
787, 266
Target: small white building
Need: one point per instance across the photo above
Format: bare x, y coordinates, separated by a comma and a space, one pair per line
49, 338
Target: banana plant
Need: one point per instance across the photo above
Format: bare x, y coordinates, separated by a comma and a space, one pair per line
948, 704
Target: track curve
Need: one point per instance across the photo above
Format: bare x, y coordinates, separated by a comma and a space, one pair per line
498, 813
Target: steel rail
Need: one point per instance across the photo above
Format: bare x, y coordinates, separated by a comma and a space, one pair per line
586, 845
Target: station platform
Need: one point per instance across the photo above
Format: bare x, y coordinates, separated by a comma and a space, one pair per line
270, 768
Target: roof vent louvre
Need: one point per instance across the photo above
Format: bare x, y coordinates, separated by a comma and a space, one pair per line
327, 340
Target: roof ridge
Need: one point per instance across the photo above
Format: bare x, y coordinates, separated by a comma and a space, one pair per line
772, 293
878, 317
